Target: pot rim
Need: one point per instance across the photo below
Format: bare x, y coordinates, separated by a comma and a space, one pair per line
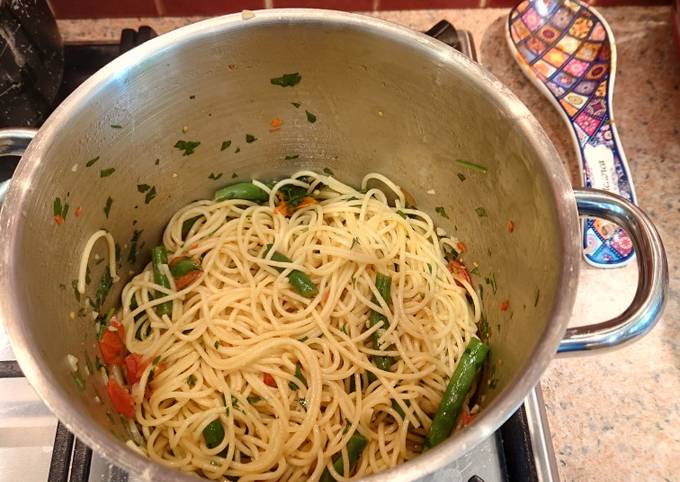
102, 441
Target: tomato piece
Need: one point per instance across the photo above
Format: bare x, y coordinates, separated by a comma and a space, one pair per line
121, 399
184, 281
466, 417
505, 305
112, 346
459, 269
134, 367
269, 380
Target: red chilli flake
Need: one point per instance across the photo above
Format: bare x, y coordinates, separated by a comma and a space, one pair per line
269, 380
78, 211
461, 247
511, 226
59, 219
505, 305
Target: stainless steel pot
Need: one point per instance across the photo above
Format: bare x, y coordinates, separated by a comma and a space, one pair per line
386, 99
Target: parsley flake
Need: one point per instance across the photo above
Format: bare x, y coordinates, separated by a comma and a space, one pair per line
150, 195
143, 187
287, 80
250, 138
91, 161
187, 146
296, 104
116, 126
107, 206
472, 165
311, 118
294, 156
481, 212
225, 145
107, 172
214, 176
461, 176
441, 211
328, 171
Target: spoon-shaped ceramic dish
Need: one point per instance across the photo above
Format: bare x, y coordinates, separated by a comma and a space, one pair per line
567, 50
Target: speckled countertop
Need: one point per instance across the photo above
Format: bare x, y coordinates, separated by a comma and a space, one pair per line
614, 416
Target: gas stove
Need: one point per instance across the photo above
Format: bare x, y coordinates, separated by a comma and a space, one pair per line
34, 446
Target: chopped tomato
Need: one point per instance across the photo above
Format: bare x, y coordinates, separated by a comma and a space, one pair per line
466, 417
78, 211
511, 226
282, 208
134, 367
184, 281
59, 220
276, 122
505, 305
112, 346
459, 269
269, 380
121, 399
461, 247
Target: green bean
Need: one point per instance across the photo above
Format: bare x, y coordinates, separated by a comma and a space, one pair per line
301, 282
158, 257
182, 267
383, 285
213, 434
241, 190
454, 395
355, 446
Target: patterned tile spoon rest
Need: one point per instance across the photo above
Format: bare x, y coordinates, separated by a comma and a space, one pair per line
567, 50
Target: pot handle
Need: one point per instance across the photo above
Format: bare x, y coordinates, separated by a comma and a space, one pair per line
650, 296
13, 142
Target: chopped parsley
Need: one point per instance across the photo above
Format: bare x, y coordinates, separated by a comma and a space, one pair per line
76, 293
107, 172
291, 157
91, 161
311, 118
218, 343
79, 381
192, 97
472, 165
107, 206
150, 195
191, 381
234, 175
441, 211
298, 374
103, 289
481, 212
225, 145
253, 399
187, 146
57, 207
143, 187
157, 161
402, 214
327, 171
250, 138
474, 270
214, 176
116, 126
293, 195
296, 104
132, 255
287, 80
238, 149
355, 241
491, 280
461, 176
537, 297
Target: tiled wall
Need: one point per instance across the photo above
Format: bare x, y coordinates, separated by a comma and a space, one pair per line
175, 8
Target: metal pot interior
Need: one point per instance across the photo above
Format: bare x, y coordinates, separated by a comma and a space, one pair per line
385, 99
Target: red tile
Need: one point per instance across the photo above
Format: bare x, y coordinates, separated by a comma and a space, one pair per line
425, 4
501, 3
618, 3
186, 8
103, 9
347, 5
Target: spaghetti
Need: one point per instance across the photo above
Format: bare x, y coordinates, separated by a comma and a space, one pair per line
247, 377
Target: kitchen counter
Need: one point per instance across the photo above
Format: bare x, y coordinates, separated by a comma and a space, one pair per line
615, 415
